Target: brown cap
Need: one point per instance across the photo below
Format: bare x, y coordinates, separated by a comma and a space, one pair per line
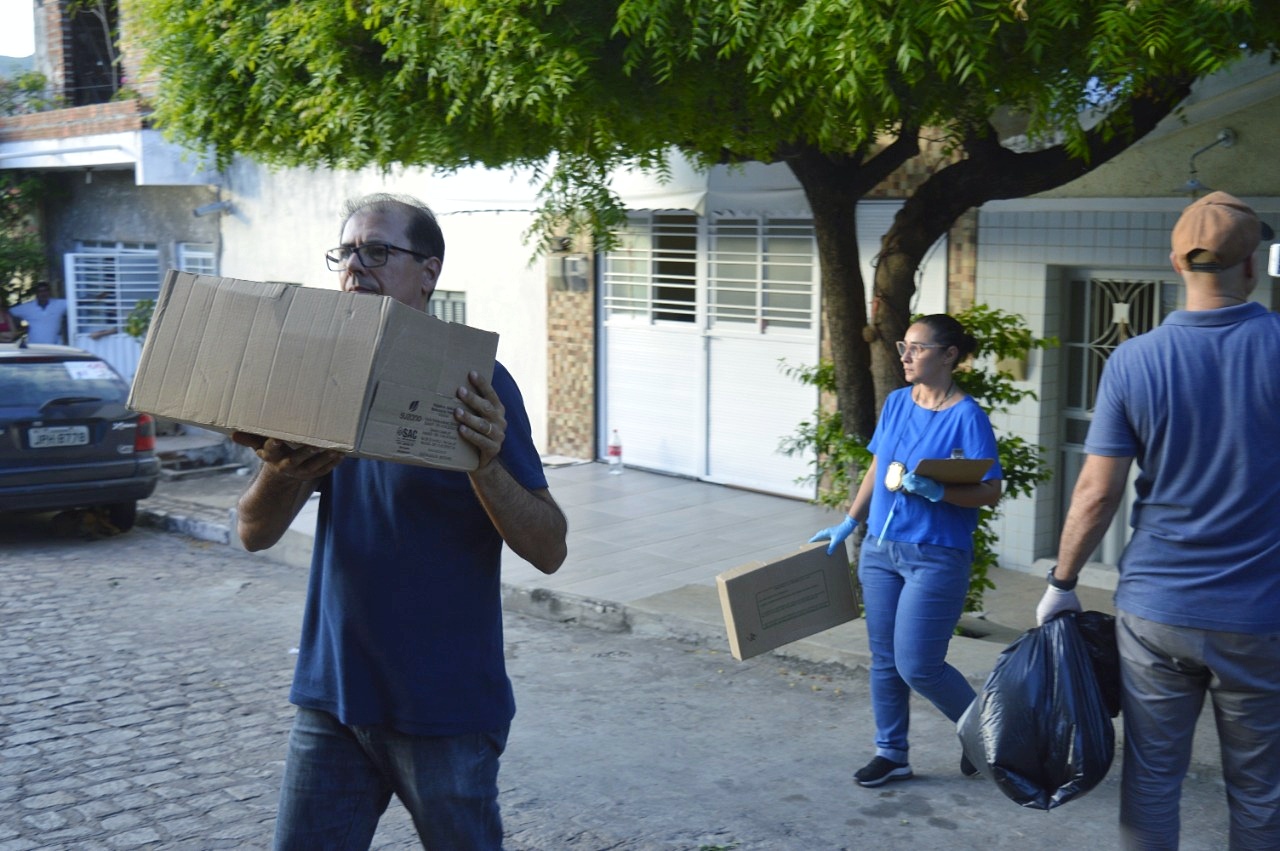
1222, 225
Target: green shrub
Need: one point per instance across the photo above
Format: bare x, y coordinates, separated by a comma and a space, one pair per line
140, 319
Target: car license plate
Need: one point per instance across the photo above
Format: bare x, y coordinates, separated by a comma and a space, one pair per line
53, 436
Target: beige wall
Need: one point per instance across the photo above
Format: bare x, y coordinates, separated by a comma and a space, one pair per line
1246, 101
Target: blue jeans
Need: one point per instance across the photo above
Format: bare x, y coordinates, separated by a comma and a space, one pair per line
913, 595
338, 781
1166, 672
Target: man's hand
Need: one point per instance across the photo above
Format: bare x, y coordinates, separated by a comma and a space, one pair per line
923, 486
836, 533
1054, 602
303, 463
482, 418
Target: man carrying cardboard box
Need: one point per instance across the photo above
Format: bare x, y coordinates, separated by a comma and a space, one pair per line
401, 684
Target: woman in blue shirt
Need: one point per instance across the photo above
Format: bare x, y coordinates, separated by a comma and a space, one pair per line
916, 556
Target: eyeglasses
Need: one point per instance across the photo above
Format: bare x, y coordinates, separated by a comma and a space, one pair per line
371, 254
916, 349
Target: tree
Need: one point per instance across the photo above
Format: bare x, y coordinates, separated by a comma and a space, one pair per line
24, 93
843, 91
22, 258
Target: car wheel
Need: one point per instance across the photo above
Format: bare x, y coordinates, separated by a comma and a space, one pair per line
123, 515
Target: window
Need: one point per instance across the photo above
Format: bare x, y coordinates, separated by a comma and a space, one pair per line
197, 258
762, 272
106, 280
652, 274
449, 305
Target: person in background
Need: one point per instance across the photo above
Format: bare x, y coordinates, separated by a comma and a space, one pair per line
401, 684
918, 549
1196, 402
45, 316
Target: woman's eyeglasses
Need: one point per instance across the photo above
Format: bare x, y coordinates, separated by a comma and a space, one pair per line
916, 349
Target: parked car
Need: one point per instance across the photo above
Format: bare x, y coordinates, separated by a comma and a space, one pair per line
67, 440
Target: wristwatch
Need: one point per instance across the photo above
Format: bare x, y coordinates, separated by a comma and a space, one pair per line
1062, 584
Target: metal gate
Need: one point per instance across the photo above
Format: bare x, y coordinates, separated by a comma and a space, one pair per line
103, 288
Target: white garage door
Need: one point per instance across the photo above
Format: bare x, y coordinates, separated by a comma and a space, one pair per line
698, 317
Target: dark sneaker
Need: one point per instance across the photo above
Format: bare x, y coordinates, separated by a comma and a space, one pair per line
880, 771
968, 769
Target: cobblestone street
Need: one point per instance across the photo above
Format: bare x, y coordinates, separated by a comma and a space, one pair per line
144, 698
144, 705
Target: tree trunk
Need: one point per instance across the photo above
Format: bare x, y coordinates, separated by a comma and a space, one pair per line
833, 185
834, 204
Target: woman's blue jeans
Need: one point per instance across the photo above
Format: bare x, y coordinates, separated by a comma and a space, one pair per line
338, 781
913, 595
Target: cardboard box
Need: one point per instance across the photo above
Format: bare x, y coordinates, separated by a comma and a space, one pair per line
349, 371
769, 604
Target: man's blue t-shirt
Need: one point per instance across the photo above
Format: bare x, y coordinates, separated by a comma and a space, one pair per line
403, 621
44, 322
1197, 403
909, 434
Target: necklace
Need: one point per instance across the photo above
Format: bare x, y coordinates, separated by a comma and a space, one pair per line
950, 392
897, 469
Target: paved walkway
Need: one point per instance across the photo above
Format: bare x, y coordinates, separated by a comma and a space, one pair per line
644, 551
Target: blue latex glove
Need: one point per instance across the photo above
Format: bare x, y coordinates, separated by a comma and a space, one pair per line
921, 486
837, 534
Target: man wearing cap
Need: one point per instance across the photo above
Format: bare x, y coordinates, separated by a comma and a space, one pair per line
1197, 403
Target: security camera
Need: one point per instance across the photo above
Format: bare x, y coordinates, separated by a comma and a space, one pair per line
210, 209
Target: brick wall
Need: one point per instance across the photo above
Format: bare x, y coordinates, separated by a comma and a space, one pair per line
114, 117
571, 365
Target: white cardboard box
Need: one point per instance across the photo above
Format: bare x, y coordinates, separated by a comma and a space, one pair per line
355, 372
769, 604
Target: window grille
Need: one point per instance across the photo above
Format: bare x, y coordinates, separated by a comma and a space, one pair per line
197, 258
751, 271
763, 272
449, 305
107, 280
652, 274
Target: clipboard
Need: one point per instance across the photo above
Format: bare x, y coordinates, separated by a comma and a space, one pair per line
954, 471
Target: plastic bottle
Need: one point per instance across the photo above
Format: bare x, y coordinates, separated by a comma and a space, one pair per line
615, 454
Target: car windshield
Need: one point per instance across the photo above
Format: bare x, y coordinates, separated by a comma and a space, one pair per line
32, 383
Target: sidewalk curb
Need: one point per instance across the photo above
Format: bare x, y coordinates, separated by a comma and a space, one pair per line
201, 530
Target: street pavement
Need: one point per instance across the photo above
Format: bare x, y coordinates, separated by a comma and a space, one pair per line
144, 696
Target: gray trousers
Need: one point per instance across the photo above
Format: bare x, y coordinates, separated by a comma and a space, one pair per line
1166, 672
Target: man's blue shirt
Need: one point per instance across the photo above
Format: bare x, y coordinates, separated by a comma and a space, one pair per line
403, 621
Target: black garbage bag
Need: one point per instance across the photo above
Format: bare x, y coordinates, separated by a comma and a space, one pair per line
1041, 727
1099, 633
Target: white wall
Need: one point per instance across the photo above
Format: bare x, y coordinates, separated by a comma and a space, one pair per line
1022, 248
282, 222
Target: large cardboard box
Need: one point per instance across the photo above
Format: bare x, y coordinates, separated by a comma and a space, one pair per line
769, 604
356, 372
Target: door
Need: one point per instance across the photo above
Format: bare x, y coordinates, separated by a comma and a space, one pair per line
697, 316
1102, 311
